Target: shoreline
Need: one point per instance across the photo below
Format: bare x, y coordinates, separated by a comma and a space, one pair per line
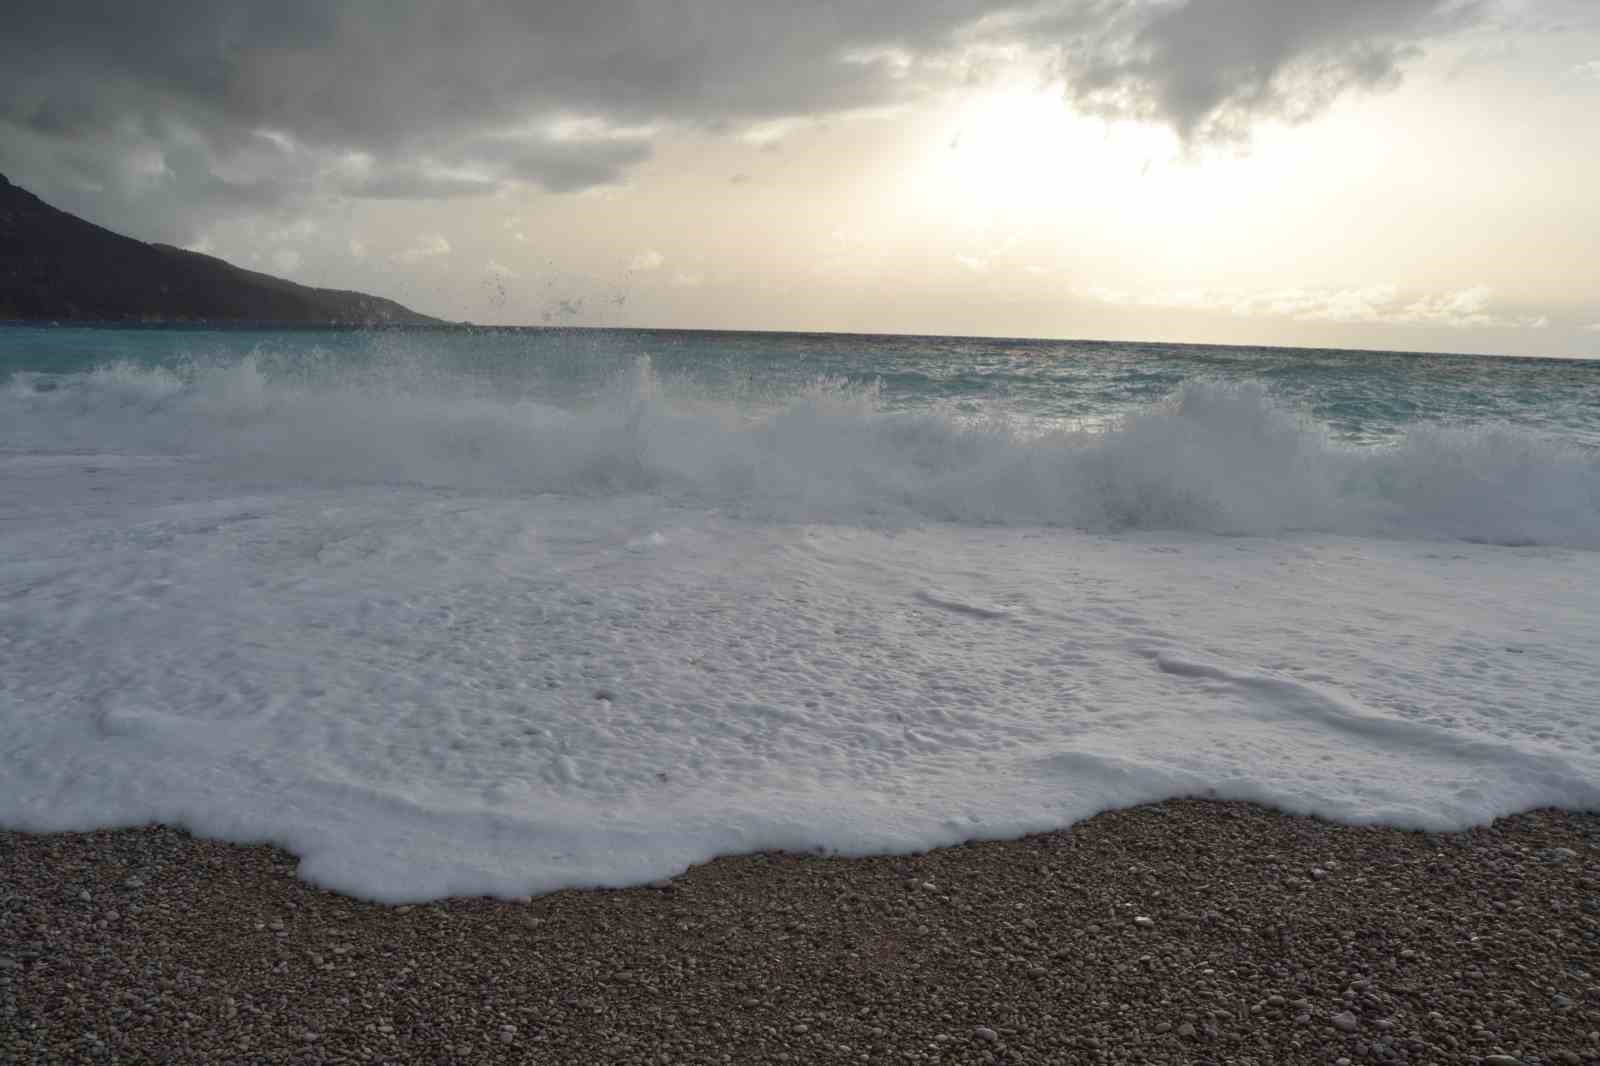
1268, 938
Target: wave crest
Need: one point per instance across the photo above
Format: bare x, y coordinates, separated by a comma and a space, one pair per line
1219, 458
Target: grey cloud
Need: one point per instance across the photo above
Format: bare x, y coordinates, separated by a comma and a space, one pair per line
387, 75
424, 88
412, 80
403, 183
171, 195
1212, 68
556, 164
561, 163
568, 168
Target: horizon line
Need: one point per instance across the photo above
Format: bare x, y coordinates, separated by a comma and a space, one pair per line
466, 326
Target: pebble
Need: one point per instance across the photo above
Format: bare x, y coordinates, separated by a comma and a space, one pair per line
1367, 964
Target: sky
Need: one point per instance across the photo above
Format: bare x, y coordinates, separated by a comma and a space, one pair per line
1399, 174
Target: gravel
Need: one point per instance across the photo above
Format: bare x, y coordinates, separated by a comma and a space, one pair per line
1271, 939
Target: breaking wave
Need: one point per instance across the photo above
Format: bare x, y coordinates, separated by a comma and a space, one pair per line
1212, 457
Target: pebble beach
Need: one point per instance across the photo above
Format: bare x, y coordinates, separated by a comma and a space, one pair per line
1190, 931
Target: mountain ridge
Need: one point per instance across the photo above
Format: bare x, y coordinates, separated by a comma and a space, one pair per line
55, 266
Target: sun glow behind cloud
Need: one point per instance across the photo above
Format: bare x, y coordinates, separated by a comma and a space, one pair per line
1023, 151
1017, 169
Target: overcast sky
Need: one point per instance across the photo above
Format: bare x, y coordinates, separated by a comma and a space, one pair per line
1409, 174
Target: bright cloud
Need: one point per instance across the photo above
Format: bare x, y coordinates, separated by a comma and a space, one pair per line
1467, 307
1375, 303
427, 246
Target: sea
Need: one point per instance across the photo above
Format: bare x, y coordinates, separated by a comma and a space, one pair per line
457, 612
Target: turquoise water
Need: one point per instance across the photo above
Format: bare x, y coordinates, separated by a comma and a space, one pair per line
1359, 396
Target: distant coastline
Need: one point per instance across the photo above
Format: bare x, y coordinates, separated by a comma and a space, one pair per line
56, 267
244, 325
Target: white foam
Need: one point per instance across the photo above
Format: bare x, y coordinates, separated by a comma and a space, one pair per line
447, 644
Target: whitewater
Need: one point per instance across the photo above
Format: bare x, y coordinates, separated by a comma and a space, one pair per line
450, 613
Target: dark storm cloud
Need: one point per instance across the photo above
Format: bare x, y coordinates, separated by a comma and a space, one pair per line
424, 89
391, 75
82, 85
1211, 68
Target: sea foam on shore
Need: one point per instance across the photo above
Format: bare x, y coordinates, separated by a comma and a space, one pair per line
438, 641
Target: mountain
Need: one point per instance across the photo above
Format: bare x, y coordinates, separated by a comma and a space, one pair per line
56, 266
